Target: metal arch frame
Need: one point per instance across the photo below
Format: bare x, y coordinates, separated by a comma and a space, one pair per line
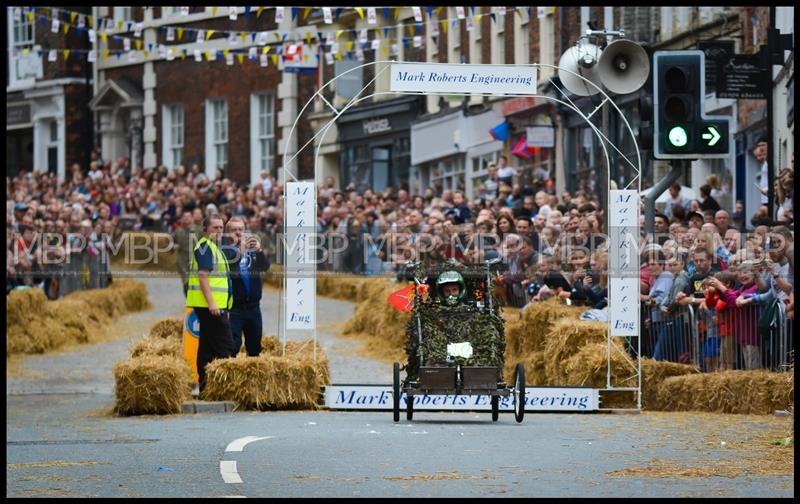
320, 135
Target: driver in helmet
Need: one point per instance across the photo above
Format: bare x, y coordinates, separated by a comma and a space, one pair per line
451, 287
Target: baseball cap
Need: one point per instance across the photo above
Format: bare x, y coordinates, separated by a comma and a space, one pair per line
20, 207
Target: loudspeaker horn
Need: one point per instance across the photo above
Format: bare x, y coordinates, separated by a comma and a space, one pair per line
623, 67
582, 59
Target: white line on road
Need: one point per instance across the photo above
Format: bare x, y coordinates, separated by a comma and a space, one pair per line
238, 445
227, 468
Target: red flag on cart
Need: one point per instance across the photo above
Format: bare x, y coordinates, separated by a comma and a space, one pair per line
403, 300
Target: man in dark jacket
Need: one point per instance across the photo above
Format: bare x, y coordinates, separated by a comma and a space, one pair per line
248, 263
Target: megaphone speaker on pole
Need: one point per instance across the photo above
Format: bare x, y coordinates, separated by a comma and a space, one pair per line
623, 67
582, 59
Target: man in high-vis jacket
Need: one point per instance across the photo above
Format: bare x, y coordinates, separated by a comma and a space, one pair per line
210, 293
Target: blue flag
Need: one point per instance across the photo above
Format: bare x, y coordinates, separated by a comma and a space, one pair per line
500, 132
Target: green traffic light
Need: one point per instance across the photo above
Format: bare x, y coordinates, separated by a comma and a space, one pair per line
678, 137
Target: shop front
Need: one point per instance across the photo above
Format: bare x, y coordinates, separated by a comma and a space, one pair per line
452, 149
375, 144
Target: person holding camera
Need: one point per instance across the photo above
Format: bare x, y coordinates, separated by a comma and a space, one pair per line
248, 262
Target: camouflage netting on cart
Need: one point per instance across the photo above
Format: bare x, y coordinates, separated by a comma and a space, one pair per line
444, 324
471, 321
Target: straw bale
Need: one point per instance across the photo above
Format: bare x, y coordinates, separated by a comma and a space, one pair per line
22, 306
156, 345
152, 385
171, 328
376, 321
270, 345
748, 392
588, 367
263, 382
538, 320
534, 369
333, 285
137, 252
301, 351
617, 399
654, 373
37, 325
564, 340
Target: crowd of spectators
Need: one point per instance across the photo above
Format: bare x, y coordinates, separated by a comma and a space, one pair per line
59, 234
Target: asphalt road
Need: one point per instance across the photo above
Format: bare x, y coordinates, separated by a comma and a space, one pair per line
62, 441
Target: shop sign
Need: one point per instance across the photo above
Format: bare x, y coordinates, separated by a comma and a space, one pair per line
372, 126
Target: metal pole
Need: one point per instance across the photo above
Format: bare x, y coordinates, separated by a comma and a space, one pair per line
662, 185
770, 119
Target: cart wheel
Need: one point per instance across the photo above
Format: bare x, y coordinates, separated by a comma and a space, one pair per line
396, 393
519, 393
409, 408
495, 408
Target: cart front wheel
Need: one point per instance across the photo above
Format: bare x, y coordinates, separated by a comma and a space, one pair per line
495, 407
396, 393
519, 393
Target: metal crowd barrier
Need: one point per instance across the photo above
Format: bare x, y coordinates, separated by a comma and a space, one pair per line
672, 338
749, 341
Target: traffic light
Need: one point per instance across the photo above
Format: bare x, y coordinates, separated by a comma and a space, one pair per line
681, 129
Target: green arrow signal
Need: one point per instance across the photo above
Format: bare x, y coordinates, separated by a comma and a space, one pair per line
712, 136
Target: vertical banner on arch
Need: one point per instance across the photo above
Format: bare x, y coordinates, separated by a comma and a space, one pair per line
300, 235
623, 263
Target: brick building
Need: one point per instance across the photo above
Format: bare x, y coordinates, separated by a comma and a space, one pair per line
229, 112
48, 126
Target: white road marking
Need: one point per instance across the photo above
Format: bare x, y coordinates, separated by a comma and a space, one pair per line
238, 445
227, 468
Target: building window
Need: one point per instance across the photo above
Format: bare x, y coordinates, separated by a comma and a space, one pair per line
265, 134
22, 33
23, 68
124, 14
526, 44
173, 135
480, 172
448, 174
454, 53
52, 147
357, 160
216, 136
221, 134
170, 11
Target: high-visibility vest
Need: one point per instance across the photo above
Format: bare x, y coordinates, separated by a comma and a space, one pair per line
217, 280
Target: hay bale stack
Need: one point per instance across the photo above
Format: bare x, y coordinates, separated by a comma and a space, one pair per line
154, 345
151, 385
528, 333
171, 328
564, 340
137, 251
375, 320
333, 285
534, 369
263, 382
131, 294
270, 345
36, 325
301, 351
654, 373
589, 366
746, 392
23, 305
